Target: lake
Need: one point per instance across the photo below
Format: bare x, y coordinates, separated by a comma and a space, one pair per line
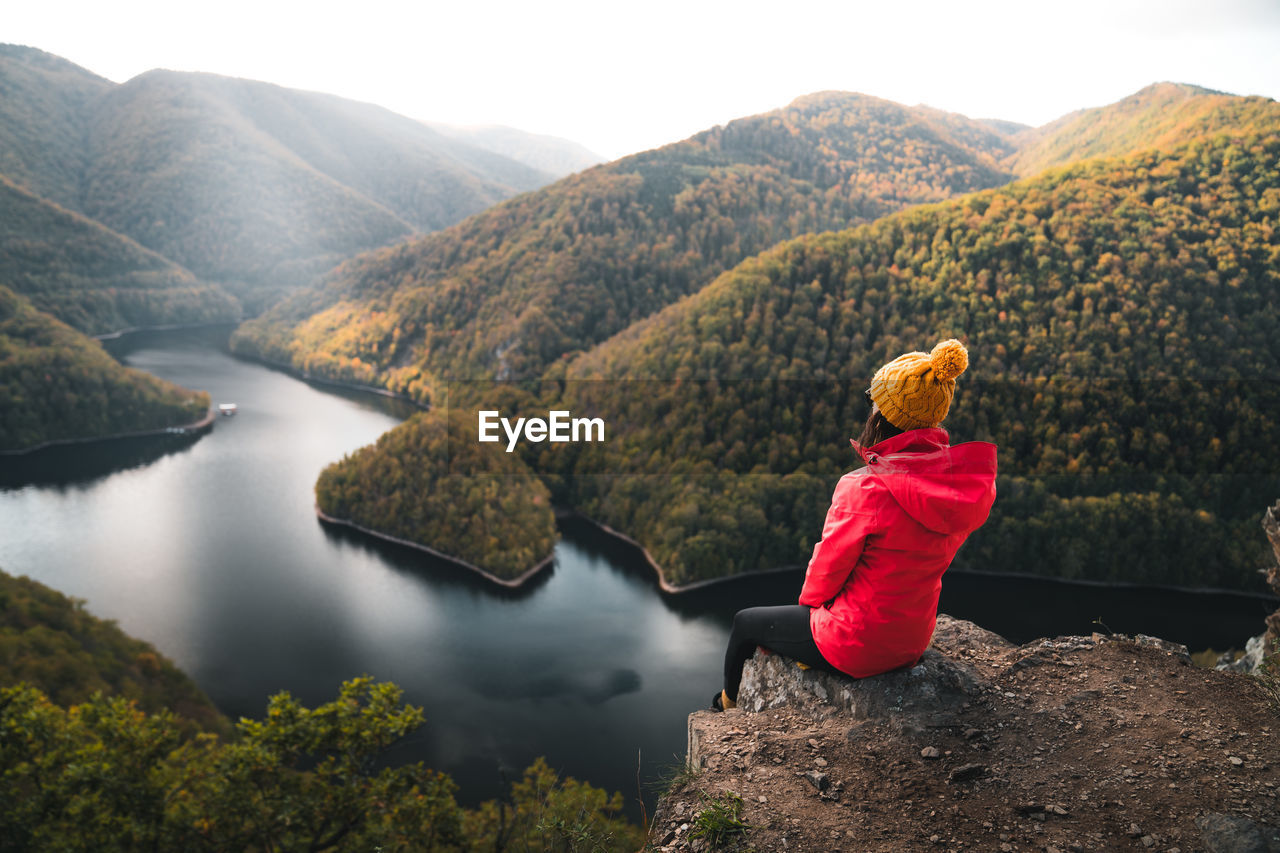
209, 548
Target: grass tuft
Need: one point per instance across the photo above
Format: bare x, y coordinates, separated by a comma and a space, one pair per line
720, 819
1268, 676
672, 776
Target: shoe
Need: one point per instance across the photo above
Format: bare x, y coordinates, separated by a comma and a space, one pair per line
722, 702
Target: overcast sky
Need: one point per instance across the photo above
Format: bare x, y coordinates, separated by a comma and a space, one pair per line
625, 76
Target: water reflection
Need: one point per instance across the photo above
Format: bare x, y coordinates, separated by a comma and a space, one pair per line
592, 688
68, 465
419, 564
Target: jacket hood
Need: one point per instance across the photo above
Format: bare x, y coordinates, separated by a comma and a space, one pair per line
946, 489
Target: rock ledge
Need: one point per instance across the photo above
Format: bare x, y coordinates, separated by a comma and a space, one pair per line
1093, 743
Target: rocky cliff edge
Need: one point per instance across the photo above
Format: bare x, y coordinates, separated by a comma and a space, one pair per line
1101, 743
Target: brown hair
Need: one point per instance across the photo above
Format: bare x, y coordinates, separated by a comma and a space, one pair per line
877, 429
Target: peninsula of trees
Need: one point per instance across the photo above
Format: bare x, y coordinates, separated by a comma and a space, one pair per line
56, 384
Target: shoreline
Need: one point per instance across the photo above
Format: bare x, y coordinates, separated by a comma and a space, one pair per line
290, 370
663, 584
672, 589
514, 583
261, 360
281, 366
171, 327
203, 425
1086, 582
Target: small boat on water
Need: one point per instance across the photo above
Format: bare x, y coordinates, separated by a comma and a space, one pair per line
227, 409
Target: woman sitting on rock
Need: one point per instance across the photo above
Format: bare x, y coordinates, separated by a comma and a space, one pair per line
870, 595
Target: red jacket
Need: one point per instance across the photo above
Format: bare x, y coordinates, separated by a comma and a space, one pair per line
892, 529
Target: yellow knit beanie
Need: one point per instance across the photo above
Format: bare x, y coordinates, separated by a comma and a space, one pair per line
914, 390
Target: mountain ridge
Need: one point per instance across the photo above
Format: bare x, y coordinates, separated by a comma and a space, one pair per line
1162, 114
44, 121
511, 326
548, 153
243, 182
507, 292
94, 279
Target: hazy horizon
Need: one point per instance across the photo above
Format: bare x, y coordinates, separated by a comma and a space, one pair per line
620, 80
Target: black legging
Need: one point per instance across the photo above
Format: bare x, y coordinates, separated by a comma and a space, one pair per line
784, 630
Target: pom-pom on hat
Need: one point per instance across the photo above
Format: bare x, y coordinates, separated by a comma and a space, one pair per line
914, 391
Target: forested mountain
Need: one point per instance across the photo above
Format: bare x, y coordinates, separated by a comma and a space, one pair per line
511, 290
1124, 342
53, 644
92, 278
238, 181
1162, 115
1116, 290
551, 154
507, 293
1122, 325
55, 384
46, 110
246, 181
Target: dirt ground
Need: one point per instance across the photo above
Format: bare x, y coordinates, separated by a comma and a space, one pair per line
1075, 744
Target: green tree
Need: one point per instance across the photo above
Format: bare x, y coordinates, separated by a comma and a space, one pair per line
548, 813
105, 776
